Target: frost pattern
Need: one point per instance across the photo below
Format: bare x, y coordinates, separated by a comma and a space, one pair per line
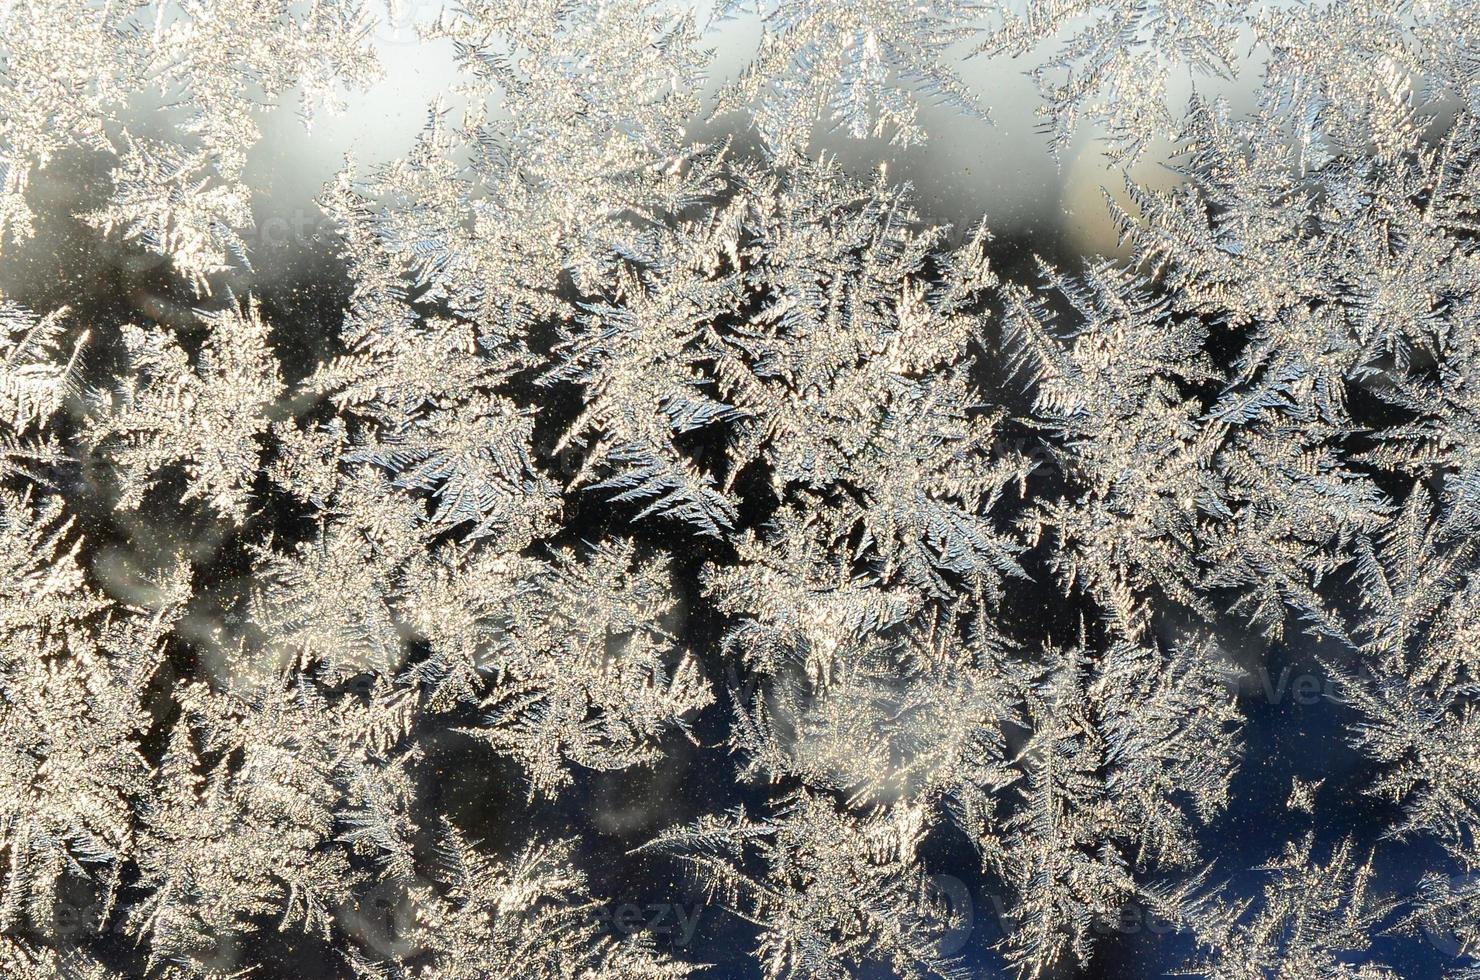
630, 454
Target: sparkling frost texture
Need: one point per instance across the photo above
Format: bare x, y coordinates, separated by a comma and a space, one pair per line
705, 466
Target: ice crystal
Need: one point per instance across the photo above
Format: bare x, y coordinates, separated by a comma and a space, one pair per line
649, 492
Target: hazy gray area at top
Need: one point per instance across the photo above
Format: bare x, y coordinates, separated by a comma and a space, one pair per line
1000, 169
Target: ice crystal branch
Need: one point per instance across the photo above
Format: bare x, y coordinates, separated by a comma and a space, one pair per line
639, 466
